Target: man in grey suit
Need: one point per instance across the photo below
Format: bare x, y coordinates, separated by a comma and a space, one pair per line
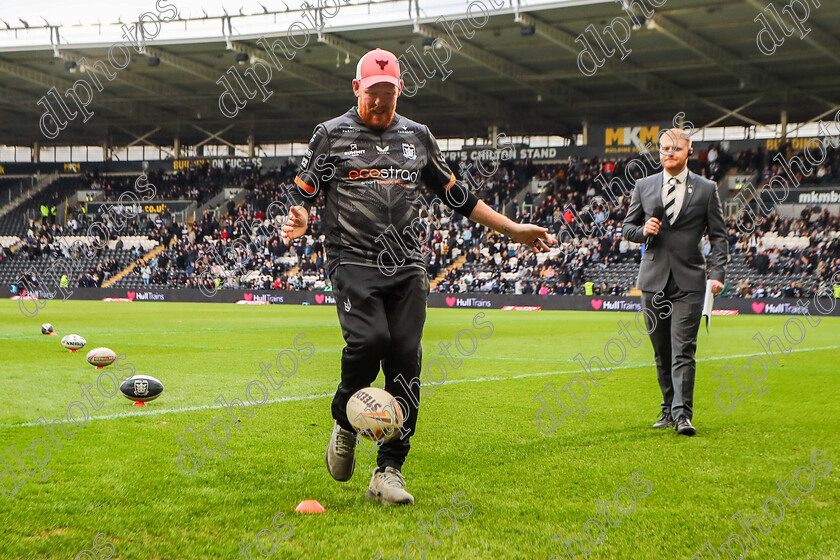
670, 212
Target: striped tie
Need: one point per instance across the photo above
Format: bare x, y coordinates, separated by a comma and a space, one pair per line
671, 199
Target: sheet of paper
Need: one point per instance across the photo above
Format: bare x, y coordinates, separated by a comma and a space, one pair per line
707, 304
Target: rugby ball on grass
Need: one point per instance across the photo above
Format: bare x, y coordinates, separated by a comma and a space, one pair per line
142, 388
101, 357
375, 414
73, 342
46, 328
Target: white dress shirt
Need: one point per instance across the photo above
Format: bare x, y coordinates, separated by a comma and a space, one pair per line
679, 192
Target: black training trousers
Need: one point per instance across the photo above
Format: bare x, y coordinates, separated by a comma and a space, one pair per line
382, 320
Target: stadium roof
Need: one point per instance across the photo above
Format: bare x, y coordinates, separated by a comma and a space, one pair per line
699, 57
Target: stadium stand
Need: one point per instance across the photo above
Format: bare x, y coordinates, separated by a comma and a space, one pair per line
804, 252
783, 257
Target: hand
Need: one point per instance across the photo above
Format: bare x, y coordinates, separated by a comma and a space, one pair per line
652, 226
717, 287
535, 237
296, 224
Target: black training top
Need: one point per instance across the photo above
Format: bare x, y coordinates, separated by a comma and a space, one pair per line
371, 182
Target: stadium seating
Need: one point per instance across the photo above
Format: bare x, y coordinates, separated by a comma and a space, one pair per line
12, 187
16, 222
463, 257
82, 268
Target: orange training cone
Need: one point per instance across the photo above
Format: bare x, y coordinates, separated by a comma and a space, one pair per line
310, 506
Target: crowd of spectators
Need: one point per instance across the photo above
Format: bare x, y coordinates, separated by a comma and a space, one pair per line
498, 266
197, 182
91, 273
241, 247
577, 208
238, 252
811, 172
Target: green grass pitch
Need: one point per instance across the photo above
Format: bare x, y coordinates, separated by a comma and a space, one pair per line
477, 435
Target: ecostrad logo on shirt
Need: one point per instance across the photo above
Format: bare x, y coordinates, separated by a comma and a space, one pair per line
393, 173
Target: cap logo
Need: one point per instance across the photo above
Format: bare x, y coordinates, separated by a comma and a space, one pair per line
382, 63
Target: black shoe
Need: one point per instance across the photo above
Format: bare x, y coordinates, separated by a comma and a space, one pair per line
684, 427
665, 421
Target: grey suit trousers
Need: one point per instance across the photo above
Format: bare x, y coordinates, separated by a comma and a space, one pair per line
672, 317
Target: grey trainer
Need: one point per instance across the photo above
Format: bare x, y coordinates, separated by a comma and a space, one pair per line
341, 454
388, 487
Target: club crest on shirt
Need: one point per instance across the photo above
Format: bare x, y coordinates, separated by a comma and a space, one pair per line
409, 151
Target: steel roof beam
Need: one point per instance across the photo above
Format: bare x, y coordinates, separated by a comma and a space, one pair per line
504, 67
760, 78
817, 36
62, 85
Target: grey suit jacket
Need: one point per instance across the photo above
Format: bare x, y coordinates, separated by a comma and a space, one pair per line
676, 249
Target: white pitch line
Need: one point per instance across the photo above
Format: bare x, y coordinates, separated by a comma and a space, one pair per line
454, 382
629, 366
172, 410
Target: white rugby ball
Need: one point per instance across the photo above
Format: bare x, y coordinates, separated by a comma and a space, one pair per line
375, 414
46, 328
73, 342
101, 357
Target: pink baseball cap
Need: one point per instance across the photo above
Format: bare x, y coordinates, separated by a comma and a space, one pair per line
378, 66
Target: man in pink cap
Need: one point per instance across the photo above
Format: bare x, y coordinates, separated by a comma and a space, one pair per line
370, 164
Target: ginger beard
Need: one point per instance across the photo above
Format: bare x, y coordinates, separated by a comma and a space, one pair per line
376, 118
377, 104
